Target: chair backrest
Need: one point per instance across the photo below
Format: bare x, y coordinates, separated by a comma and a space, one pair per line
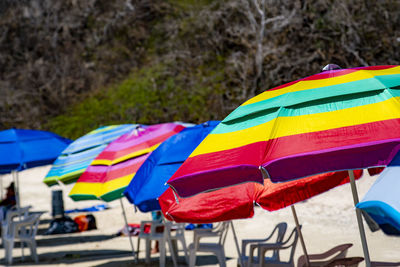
25, 228
179, 229
12, 213
220, 231
224, 232
291, 241
153, 228
338, 252
280, 228
275, 237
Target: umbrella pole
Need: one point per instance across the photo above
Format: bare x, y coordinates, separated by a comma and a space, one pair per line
127, 228
359, 219
16, 190
16, 187
303, 245
237, 244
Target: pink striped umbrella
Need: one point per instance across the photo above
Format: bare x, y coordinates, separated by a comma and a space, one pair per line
111, 171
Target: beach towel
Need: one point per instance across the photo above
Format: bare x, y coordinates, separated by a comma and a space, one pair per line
94, 208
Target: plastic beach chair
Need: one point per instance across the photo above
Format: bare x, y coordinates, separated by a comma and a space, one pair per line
178, 234
290, 244
279, 231
159, 231
217, 248
23, 230
11, 215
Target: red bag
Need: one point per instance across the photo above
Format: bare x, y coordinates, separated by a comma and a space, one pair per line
83, 222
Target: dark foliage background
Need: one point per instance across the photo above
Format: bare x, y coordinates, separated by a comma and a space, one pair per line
70, 66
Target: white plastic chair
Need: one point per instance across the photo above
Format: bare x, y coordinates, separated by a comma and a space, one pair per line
23, 230
290, 243
178, 234
322, 259
11, 214
279, 231
216, 248
160, 232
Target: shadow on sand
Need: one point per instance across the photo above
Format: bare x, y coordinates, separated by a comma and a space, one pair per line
70, 257
44, 221
61, 240
65, 239
201, 260
74, 257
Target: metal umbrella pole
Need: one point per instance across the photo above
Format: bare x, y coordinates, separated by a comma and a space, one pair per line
359, 219
236, 243
16, 188
15, 177
127, 227
303, 245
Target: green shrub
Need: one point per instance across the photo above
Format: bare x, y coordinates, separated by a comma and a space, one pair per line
149, 95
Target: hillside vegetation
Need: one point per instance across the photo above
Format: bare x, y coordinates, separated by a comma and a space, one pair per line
70, 66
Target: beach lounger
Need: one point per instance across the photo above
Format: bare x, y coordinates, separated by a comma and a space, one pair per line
322, 259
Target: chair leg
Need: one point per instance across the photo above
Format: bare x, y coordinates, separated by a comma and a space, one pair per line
185, 249
174, 251
162, 252
32, 247
137, 248
148, 249
22, 251
8, 246
192, 258
221, 258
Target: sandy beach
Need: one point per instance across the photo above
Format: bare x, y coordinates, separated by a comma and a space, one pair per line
328, 220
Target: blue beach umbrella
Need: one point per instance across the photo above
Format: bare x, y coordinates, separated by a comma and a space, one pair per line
21, 149
382, 201
74, 160
150, 180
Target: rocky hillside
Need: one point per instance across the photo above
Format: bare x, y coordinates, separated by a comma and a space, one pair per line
70, 66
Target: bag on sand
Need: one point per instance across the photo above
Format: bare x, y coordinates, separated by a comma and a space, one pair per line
62, 225
85, 222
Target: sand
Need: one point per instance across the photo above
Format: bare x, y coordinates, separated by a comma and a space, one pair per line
327, 220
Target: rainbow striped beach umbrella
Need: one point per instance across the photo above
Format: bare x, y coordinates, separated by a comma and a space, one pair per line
342, 119
111, 171
74, 160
